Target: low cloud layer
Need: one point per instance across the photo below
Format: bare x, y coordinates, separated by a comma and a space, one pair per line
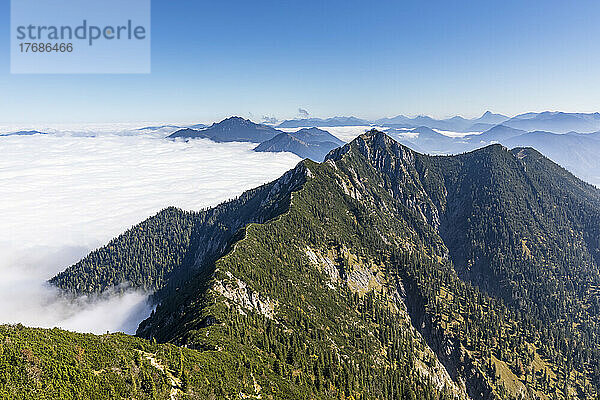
63, 195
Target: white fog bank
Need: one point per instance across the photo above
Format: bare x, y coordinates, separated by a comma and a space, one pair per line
64, 195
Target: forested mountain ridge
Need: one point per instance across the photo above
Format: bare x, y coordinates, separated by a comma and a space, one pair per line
55, 364
493, 200
169, 246
515, 224
365, 283
142, 257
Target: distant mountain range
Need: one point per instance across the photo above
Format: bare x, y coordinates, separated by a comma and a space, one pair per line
24, 133
319, 122
570, 139
549, 121
454, 124
560, 136
155, 128
426, 140
159, 127
577, 152
310, 143
556, 122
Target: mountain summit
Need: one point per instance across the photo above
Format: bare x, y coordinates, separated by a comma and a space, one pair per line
232, 129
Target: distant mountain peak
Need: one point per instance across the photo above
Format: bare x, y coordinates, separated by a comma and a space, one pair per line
489, 113
490, 117
232, 129
234, 119
24, 133
456, 118
312, 143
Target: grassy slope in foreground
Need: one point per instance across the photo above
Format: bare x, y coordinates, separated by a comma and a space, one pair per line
56, 364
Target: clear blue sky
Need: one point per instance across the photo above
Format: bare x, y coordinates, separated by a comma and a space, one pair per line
211, 59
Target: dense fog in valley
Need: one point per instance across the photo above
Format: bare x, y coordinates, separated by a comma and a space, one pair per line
66, 193
72, 189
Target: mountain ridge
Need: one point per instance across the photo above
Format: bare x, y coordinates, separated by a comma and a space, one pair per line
435, 239
323, 122
455, 124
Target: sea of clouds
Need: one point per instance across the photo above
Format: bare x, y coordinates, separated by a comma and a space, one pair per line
66, 193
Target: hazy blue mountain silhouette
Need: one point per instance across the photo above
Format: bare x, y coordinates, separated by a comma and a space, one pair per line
320, 122
312, 143
232, 129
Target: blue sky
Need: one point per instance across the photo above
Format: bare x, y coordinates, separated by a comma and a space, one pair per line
369, 59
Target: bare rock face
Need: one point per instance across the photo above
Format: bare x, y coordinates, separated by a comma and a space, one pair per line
244, 299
